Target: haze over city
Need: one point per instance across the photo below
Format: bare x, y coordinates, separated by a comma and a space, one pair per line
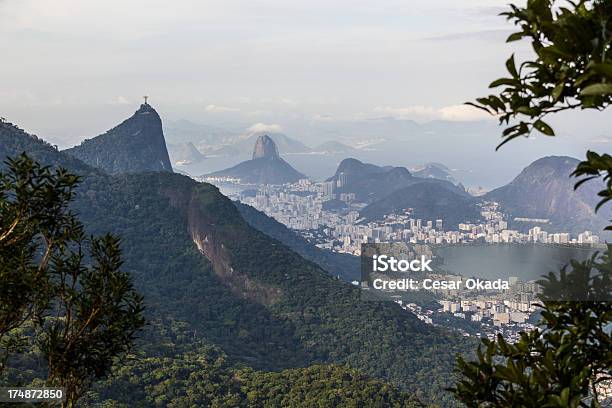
314, 71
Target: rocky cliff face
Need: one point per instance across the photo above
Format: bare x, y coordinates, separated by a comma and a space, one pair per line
208, 235
204, 231
265, 148
136, 145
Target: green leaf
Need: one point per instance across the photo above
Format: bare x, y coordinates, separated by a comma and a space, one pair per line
557, 92
511, 66
603, 69
503, 81
555, 52
597, 90
515, 36
526, 110
496, 103
543, 127
479, 107
565, 396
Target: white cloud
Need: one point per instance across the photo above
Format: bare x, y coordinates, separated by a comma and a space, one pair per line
258, 112
264, 128
251, 60
323, 118
452, 113
290, 102
409, 112
220, 109
462, 113
120, 100
602, 139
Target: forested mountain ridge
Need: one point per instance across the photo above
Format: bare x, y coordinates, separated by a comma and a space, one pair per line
428, 201
14, 141
262, 304
346, 266
327, 316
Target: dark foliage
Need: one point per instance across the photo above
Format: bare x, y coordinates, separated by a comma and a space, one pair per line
61, 300
345, 266
563, 363
566, 361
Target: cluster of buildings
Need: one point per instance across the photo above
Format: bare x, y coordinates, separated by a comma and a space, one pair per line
301, 206
487, 327
486, 315
332, 221
536, 234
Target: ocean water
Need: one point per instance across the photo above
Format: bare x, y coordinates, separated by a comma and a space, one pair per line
525, 261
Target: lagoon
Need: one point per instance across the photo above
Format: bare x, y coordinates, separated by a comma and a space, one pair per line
500, 261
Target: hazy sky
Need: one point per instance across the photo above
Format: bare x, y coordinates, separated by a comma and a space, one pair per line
73, 68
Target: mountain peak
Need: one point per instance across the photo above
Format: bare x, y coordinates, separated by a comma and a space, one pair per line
558, 162
356, 168
265, 148
145, 108
266, 167
545, 190
135, 145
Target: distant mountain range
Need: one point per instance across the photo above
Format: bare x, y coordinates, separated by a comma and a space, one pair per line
245, 143
333, 147
392, 190
220, 142
371, 183
136, 145
542, 190
386, 140
184, 131
545, 190
184, 153
436, 171
266, 166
